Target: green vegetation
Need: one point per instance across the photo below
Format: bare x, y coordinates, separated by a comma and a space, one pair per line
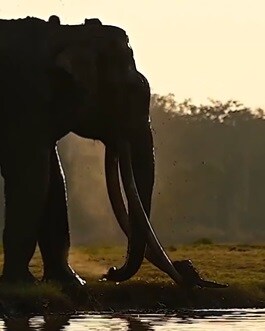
242, 266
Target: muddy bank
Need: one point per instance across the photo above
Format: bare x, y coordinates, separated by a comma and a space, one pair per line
133, 296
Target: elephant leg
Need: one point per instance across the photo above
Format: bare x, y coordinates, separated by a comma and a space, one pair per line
25, 171
54, 237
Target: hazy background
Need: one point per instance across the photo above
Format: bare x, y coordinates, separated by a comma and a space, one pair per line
210, 177
210, 171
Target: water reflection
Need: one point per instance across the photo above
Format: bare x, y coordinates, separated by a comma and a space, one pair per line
136, 324
59, 322
17, 324
199, 320
55, 323
47, 323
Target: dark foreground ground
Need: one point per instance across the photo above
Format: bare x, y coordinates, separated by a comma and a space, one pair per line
241, 266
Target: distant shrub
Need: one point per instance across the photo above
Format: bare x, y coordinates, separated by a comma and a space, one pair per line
203, 241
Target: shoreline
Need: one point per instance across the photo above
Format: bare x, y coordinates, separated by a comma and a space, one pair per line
150, 291
124, 298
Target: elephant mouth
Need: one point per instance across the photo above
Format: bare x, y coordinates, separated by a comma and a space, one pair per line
142, 240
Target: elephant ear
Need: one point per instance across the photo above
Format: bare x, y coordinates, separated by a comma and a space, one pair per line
91, 51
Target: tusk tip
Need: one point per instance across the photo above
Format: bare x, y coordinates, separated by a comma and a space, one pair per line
110, 274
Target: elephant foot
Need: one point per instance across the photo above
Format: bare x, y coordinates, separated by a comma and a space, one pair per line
70, 283
65, 277
191, 276
16, 277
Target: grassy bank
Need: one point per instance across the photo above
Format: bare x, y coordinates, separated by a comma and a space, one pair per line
241, 266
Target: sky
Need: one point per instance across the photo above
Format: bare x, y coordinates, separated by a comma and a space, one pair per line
196, 49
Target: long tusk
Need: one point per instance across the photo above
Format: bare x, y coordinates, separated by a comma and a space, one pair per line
185, 267
117, 202
114, 189
152, 241
136, 237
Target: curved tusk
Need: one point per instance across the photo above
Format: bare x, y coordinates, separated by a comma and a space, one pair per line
114, 189
116, 199
152, 241
189, 276
137, 237
117, 202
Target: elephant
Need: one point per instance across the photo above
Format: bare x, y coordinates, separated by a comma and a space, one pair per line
57, 79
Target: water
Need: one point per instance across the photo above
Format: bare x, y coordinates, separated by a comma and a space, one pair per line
198, 320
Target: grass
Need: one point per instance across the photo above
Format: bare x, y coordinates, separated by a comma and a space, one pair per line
241, 266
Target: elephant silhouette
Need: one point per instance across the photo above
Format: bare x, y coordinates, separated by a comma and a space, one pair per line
57, 79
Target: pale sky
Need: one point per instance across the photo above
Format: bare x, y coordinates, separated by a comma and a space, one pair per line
192, 48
